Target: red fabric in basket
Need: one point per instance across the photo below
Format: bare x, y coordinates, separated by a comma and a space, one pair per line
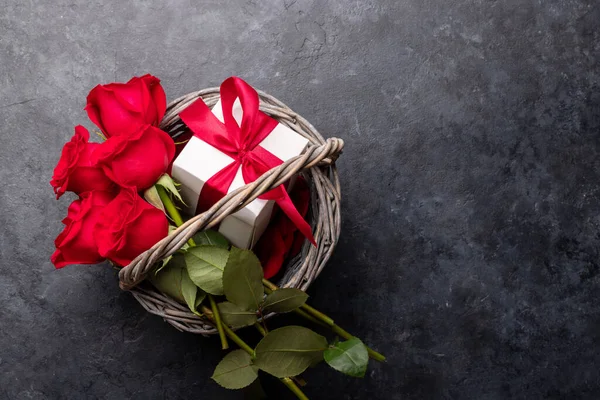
281, 239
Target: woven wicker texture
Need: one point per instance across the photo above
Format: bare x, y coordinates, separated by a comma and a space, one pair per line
316, 164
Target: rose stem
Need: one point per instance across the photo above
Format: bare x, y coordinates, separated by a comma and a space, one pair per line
215, 309
328, 321
174, 214
294, 388
262, 319
260, 328
232, 335
171, 209
238, 340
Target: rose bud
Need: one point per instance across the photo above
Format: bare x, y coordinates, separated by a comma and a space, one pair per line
75, 170
138, 159
129, 226
76, 244
121, 108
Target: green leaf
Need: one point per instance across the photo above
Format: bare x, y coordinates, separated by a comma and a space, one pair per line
205, 264
164, 263
167, 182
152, 197
236, 317
288, 351
168, 280
349, 357
190, 291
175, 282
211, 238
242, 279
284, 300
235, 370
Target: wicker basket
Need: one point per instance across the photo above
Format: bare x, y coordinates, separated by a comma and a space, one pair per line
317, 164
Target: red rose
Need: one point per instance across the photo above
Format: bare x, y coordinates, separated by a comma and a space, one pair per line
75, 244
129, 226
137, 159
121, 108
75, 170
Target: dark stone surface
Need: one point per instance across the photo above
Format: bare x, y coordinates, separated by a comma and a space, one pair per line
471, 178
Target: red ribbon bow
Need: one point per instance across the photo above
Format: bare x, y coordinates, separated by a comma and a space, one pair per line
240, 142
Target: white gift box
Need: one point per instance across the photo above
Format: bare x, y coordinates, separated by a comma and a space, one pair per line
199, 161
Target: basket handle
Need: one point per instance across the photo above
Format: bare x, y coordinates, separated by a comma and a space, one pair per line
322, 155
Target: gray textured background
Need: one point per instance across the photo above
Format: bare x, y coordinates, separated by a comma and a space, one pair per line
471, 178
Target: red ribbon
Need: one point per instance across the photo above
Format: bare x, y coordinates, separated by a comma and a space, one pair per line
240, 142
